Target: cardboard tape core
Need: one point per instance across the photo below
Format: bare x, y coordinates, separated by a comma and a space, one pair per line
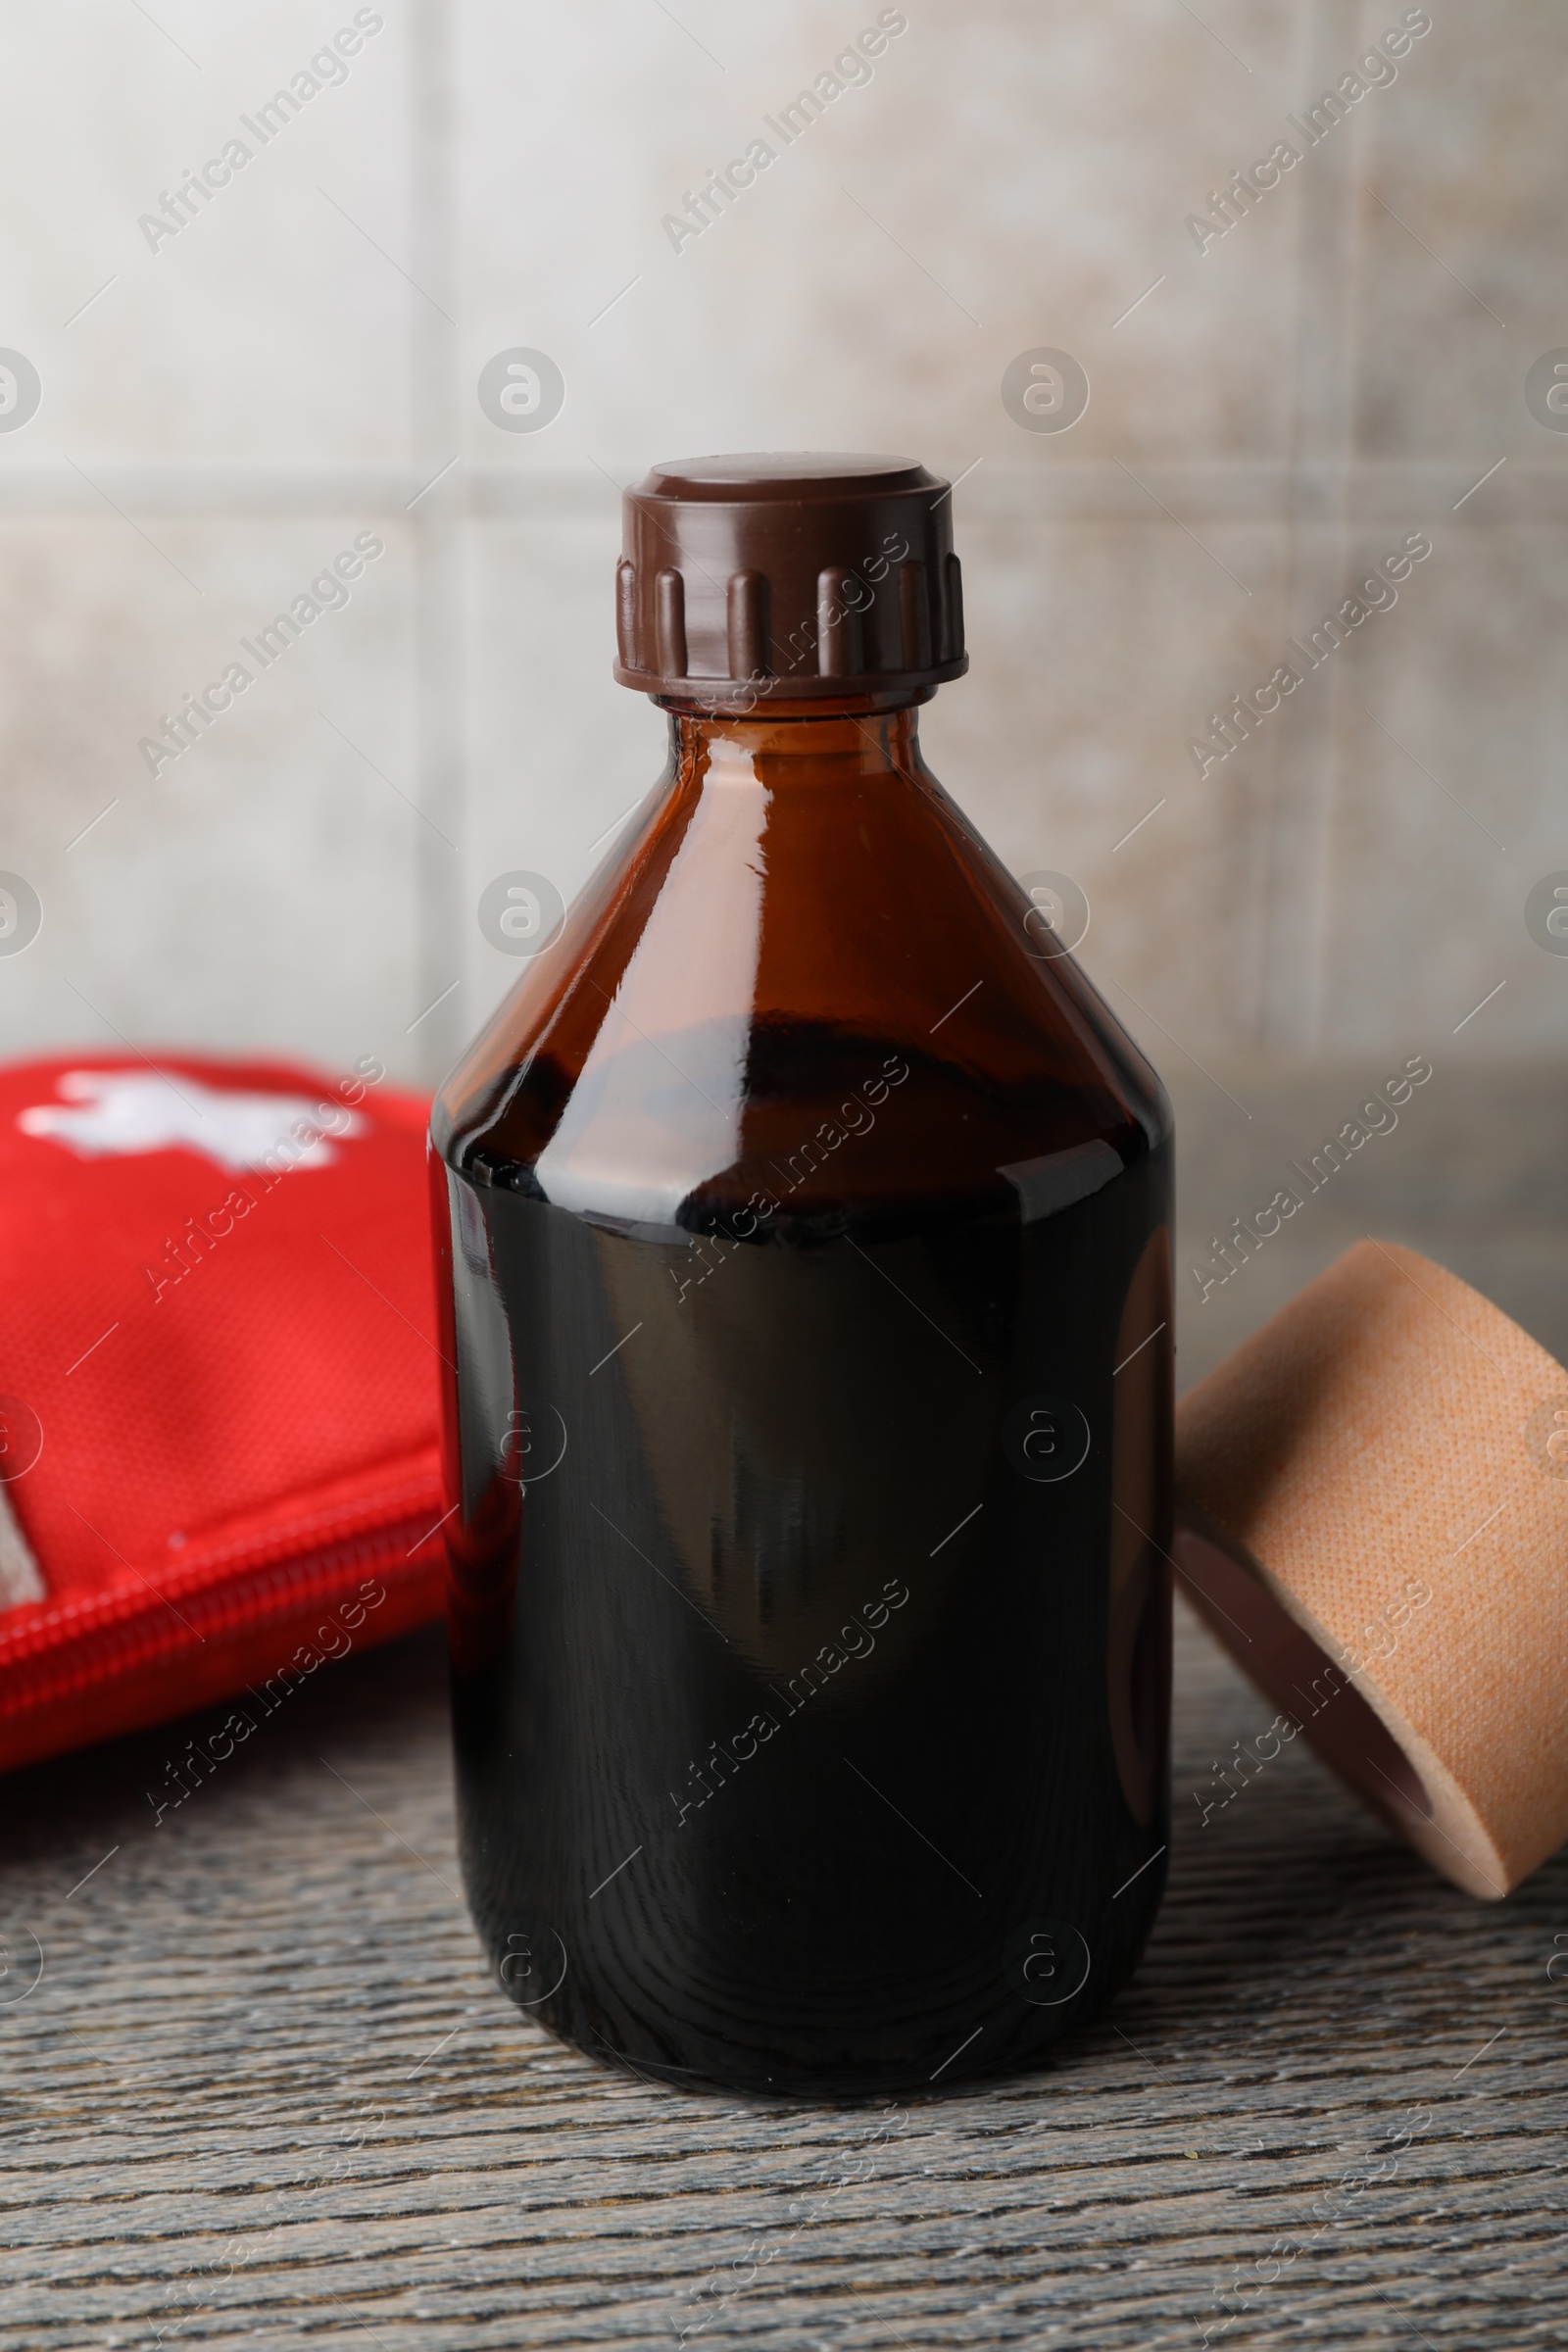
1374, 1521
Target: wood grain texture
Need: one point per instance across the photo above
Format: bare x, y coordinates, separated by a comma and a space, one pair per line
262, 2091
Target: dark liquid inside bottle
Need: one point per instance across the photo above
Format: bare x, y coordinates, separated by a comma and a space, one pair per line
810, 1607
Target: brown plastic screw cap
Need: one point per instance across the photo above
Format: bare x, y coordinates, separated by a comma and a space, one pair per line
789, 574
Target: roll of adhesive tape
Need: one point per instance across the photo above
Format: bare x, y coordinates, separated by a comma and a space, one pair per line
1373, 1519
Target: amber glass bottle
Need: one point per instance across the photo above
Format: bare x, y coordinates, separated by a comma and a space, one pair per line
804, 1228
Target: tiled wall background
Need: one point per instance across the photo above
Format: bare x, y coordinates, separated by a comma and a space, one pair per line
220, 417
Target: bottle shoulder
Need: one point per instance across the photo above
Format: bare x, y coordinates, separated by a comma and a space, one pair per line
832, 985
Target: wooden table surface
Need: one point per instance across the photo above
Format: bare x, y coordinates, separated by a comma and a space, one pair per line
261, 2091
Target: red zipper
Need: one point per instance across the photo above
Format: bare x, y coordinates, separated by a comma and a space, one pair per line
55, 1662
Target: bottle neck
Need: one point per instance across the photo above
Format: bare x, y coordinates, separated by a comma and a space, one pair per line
808, 743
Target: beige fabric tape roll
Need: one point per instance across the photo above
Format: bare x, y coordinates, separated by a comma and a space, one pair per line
1374, 1520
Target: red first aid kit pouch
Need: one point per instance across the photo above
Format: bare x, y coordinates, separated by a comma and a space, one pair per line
219, 1459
